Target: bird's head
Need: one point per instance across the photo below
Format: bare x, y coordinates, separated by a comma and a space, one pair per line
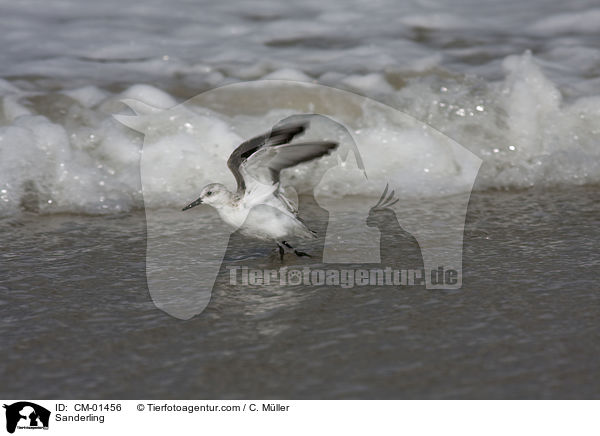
215, 194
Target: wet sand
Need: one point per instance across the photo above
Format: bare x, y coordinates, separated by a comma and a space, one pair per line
78, 320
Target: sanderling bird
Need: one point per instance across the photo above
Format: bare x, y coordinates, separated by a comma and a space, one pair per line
259, 208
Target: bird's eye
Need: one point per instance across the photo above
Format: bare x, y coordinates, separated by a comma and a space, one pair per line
209, 193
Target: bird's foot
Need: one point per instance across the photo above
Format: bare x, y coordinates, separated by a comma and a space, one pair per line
296, 252
301, 253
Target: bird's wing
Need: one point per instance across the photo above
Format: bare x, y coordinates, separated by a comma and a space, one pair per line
261, 170
277, 136
266, 164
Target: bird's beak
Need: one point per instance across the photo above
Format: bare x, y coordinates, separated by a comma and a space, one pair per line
193, 203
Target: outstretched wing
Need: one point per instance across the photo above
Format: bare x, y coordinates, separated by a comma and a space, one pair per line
276, 136
266, 164
262, 158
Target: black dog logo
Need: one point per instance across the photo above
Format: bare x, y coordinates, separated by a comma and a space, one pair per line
30, 413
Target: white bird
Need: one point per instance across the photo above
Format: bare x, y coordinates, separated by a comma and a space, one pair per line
259, 208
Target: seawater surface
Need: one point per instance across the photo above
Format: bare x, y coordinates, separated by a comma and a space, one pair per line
78, 320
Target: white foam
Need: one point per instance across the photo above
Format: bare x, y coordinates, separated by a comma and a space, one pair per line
444, 21
60, 154
288, 74
149, 95
7, 88
12, 109
585, 21
370, 83
87, 96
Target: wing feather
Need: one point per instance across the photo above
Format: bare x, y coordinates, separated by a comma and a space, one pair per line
277, 136
266, 164
257, 163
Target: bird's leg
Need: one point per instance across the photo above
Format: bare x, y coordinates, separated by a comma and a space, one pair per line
296, 252
281, 251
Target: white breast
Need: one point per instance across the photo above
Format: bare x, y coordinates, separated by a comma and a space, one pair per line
234, 216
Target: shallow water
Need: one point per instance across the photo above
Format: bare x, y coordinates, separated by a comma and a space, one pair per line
513, 82
78, 320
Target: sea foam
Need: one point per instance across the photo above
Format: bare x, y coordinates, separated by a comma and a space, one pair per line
64, 152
